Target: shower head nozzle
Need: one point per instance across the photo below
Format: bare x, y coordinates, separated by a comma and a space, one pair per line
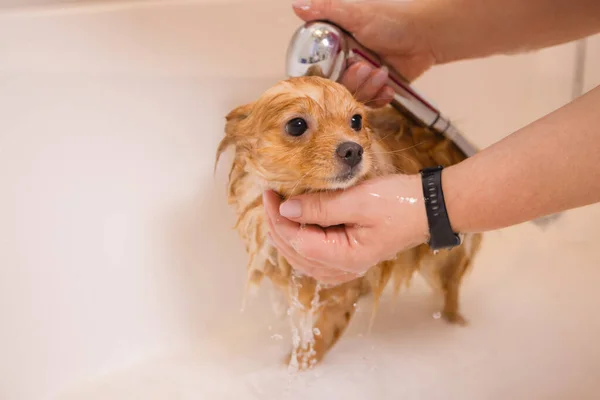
323, 48
317, 45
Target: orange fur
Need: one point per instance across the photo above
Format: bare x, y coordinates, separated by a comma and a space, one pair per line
266, 157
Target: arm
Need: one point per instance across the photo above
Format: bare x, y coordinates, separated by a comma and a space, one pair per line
466, 29
546, 167
412, 36
549, 166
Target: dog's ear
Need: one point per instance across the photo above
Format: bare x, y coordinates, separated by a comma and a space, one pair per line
239, 113
234, 128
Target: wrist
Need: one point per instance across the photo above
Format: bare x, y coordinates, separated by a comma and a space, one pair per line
420, 222
453, 34
455, 198
404, 194
436, 21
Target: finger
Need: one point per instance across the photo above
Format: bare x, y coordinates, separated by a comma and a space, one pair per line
313, 269
307, 247
356, 76
328, 208
375, 82
318, 248
341, 12
310, 267
277, 222
329, 276
297, 262
286, 234
382, 98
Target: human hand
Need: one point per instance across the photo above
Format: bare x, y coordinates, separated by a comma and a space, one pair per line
336, 237
393, 30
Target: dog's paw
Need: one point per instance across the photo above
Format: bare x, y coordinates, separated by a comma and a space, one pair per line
453, 317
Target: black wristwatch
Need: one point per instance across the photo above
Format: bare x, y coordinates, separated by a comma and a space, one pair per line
441, 234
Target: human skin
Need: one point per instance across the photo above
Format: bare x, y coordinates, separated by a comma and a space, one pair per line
413, 36
546, 167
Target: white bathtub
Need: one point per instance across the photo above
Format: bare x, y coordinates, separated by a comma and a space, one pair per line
120, 275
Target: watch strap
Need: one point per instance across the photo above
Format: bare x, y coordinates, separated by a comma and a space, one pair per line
441, 235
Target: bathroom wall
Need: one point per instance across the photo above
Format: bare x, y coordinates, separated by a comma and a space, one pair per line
592, 63
115, 237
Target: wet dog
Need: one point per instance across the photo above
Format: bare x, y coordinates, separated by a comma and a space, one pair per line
309, 134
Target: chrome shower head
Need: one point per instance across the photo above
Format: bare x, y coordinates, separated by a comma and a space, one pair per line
326, 49
318, 45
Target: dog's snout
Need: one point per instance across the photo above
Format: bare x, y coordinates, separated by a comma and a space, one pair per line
350, 153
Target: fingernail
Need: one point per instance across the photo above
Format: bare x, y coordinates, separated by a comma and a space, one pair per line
301, 4
291, 209
388, 93
380, 77
362, 73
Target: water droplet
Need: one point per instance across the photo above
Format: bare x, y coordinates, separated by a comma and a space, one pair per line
277, 336
409, 200
375, 195
317, 331
436, 252
437, 315
296, 244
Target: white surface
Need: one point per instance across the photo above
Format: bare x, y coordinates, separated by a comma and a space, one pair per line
120, 277
592, 64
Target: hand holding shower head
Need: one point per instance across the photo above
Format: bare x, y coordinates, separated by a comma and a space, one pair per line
327, 47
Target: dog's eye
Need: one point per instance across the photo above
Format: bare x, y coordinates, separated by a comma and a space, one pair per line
296, 127
356, 122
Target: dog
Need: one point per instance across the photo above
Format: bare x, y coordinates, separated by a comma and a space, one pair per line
271, 152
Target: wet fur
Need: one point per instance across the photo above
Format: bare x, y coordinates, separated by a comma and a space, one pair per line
265, 157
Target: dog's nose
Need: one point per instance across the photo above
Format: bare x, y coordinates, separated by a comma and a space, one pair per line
350, 153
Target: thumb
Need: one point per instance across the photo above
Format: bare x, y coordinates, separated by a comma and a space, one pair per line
326, 209
341, 12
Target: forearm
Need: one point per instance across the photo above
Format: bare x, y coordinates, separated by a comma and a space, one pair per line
549, 166
465, 29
